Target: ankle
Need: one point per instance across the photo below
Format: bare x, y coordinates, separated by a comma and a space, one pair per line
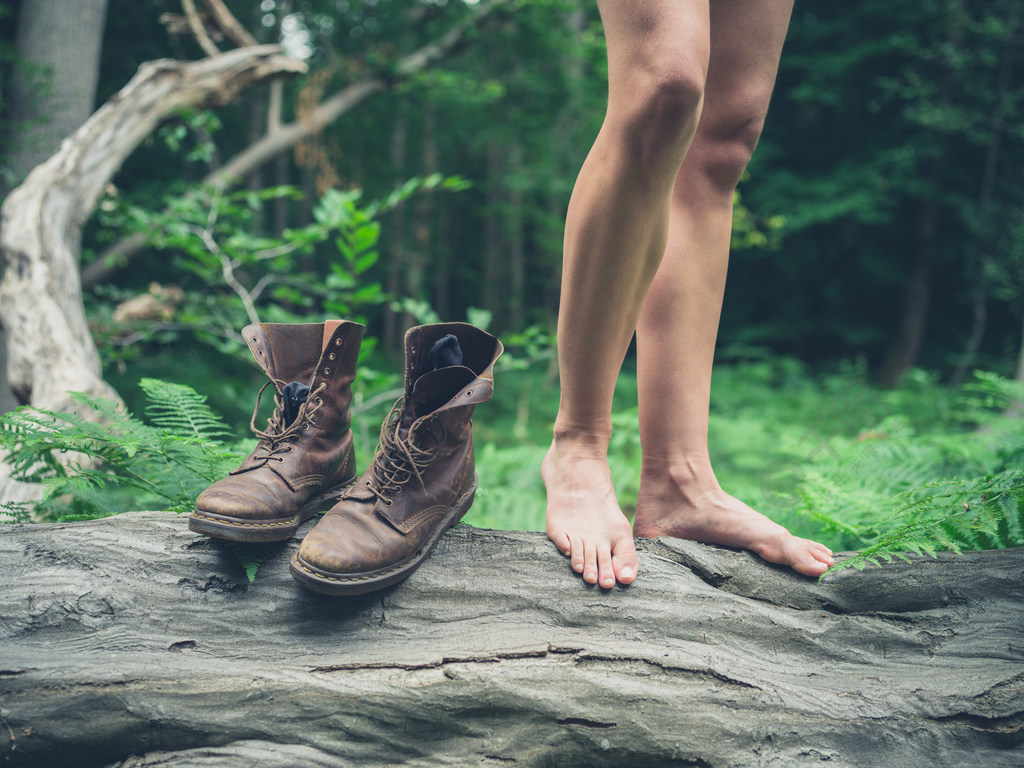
681, 470
573, 436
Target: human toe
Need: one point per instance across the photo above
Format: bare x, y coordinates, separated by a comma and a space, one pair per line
561, 540
625, 562
576, 553
589, 562
809, 565
605, 569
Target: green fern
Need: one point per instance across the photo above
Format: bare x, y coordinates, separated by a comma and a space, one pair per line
181, 411
920, 494
951, 515
126, 463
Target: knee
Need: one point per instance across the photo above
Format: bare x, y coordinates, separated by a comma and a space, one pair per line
725, 148
665, 105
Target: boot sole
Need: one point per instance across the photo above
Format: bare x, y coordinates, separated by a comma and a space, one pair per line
329, 583
270, 529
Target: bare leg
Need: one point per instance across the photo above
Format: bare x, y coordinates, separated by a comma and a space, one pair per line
615, 237
679, 494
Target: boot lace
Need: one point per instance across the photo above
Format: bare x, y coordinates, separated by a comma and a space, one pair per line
275, 438
398, 460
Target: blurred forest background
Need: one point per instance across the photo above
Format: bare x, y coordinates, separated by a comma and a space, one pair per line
873, 325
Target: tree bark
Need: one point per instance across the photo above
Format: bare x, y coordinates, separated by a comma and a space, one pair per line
49, 349
130, 641
906, 345
54, 87
493, 274
396, 248
515, 223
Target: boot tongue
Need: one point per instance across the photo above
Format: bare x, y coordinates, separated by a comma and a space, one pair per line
434, 389
439, 385
293, 395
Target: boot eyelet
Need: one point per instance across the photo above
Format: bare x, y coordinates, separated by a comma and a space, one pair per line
337, 342
469, 393
305, 426
331, 356
318, 401
388, 503
327, 371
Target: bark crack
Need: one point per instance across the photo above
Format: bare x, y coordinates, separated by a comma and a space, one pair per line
445, 661
584, 722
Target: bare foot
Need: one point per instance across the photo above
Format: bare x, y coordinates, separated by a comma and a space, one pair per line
584, 519
688, 503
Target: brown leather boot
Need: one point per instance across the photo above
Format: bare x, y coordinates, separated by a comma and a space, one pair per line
422, 478
304, 458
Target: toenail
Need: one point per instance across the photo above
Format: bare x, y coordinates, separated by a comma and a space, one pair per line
578, 567
626, 573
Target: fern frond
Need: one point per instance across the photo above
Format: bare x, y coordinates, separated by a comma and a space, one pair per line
890, 547
181, 410
124, 463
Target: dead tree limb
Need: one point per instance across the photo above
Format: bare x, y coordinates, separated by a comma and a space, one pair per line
228, 24
48, 347
198, 28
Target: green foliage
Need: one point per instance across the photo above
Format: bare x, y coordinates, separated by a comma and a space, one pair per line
320, 269
956, 487
893, 133
117, 462
190, 133
891, 140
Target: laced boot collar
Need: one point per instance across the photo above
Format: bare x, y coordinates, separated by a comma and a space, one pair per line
274, 440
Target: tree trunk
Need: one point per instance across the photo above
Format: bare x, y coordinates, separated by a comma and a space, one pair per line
442, 262
516, 238
396, 228
493, 274
54, 86
423, 227
906, 345
130, 641
980, 245
49, 349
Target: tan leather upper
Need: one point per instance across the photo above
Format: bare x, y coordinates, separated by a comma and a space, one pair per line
424, 464
291, 465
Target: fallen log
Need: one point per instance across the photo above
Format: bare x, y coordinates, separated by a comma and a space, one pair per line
130, 641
